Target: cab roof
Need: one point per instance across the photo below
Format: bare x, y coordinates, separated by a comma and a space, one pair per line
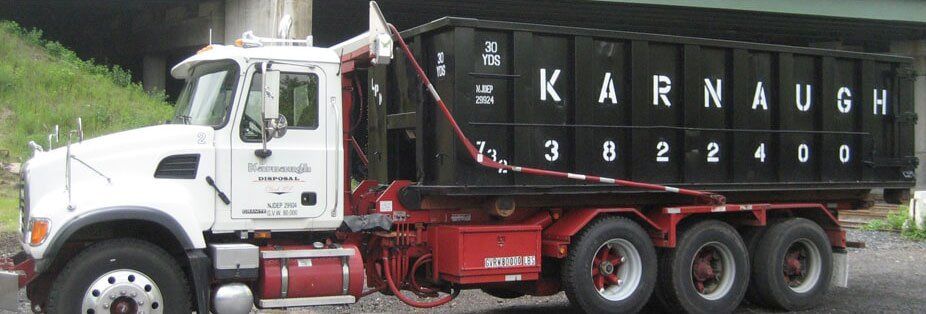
244, 55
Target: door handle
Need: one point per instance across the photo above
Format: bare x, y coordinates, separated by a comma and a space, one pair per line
309, 198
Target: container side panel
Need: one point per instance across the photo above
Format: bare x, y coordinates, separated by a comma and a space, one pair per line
800, 102
488, 101
377, 151
755, 86
840, 159
543, 110
657, 144
602, 107
708, 90
441, 65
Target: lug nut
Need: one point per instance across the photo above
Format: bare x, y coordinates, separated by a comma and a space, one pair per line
623, 259
122, 292
105, 306
620, 282
133, 294
112, 297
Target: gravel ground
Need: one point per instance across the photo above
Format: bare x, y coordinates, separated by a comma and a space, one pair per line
888, 276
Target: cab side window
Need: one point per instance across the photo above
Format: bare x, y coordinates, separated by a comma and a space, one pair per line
298, 103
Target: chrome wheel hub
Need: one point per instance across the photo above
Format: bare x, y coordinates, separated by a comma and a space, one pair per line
123, 291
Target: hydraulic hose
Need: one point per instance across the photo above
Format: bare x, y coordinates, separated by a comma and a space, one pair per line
398, 293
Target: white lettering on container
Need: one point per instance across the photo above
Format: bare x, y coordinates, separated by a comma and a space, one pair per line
491, 56
880, 102
713, 92
546, 86
660, 91
844, 100
803, 102
607, 89
441, 68
759, 98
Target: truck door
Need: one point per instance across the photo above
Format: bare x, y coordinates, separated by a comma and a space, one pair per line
291, 182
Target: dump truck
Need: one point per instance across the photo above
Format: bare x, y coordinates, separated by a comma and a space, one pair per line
624, 169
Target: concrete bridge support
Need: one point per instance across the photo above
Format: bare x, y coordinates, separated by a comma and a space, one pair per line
263, 17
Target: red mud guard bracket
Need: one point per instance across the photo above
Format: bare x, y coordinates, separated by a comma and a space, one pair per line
15, 273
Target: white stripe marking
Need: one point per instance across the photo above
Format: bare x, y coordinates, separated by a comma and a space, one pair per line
516, 169
607, 180
433, 92
479, 158
673, 210
719, 209
671, 189
575, 176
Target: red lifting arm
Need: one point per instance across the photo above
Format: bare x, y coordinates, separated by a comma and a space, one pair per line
708, 197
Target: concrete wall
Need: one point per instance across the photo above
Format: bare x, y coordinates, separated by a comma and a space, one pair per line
263, 16
917, 50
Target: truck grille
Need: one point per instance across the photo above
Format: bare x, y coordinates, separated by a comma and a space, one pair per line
23, 202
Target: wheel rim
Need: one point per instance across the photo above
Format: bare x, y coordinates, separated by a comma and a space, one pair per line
713, 270
801, 266
123, 291
616, 269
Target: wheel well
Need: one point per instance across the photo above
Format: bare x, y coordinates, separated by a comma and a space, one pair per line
86, 236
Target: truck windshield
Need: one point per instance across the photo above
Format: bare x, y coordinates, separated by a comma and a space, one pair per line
208, 94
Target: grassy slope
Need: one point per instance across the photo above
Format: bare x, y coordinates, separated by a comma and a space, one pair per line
43, 84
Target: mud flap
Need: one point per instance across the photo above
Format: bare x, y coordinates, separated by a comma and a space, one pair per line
840, 269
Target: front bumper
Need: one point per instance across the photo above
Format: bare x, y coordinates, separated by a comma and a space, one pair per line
15, 273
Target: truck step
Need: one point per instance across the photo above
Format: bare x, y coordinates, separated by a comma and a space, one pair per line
294, 302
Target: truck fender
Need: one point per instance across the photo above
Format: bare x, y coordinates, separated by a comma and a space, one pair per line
113, 214
557, 236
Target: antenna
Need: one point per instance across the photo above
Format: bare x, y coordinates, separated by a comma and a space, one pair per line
210, 36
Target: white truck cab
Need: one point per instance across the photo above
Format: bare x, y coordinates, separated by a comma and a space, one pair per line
216, 137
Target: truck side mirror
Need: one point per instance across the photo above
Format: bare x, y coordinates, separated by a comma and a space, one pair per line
272, 123
271, 88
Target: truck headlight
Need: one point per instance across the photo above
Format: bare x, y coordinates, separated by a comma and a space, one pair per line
39, 227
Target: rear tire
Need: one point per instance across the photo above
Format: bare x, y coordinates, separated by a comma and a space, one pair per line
707, 272
610, 267
124, 273
799, 250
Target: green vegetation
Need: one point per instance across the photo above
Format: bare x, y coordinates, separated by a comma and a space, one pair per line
898, 221
9, 215
42, 84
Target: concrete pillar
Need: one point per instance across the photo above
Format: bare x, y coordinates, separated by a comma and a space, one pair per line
154, 72
263, 17
917, 50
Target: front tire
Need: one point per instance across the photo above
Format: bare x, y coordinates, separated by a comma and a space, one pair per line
123, 275
793, 265
610, 267
707, 272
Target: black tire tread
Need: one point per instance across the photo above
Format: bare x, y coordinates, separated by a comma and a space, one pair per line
666, 291
569, 278
767, 296
58, 293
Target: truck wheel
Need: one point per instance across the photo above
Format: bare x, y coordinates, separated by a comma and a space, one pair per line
120, 276
707, 272
793, 265
610, 267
